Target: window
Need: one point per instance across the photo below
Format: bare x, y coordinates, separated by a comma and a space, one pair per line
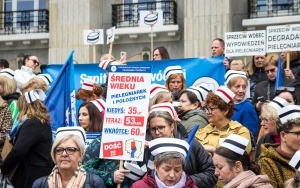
22, 14
128, 14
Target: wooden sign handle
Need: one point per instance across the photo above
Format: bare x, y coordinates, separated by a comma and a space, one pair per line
94, 53
287, 60
120, 167
151, 52
110, 51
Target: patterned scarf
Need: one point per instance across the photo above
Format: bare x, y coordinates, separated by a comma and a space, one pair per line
77, 180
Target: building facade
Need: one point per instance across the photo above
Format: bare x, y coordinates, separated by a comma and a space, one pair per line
51, 29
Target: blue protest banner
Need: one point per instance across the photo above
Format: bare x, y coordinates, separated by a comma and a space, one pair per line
196, 71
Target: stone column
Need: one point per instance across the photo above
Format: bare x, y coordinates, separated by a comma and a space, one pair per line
205, 20
68, 19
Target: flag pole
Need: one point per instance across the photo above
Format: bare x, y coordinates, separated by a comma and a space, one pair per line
94, 53
151, 52
287, 60
110, 50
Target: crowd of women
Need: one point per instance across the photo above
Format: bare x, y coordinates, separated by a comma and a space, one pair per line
243, 134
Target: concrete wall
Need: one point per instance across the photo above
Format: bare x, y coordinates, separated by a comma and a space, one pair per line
68, 19
199, 22
175, 48
208, 19
11, 55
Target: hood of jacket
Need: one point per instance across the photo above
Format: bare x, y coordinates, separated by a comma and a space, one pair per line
191, 113
149, 178
269, 151
11, 97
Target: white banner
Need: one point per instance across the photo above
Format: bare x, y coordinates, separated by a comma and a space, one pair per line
125, 119
110, 35
91, 37
246, 43
151, 18
283, 38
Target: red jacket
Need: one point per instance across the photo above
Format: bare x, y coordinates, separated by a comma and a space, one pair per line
148, 181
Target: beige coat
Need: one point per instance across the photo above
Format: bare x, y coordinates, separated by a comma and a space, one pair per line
249, 179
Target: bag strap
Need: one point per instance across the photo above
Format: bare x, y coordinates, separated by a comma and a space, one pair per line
279, 168
91, 179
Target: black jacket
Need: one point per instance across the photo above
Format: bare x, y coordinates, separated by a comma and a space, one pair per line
258, 76
32, 152
295, 68
267, 89
11, 97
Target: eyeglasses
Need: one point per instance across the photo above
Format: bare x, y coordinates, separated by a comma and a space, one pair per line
290, 89
210, 109
270, 70
264, 119
296, 133
69, 150
35, 61
159, 128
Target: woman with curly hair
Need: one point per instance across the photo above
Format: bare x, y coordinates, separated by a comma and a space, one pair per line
41, 81
89, 91
31, 142
219, 109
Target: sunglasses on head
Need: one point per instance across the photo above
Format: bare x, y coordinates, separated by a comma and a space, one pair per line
290, 89
270, 70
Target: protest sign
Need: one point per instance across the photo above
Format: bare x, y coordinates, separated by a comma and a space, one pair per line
283, 38
151, 18
125, 118
92, 37
246, 43
110, 35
